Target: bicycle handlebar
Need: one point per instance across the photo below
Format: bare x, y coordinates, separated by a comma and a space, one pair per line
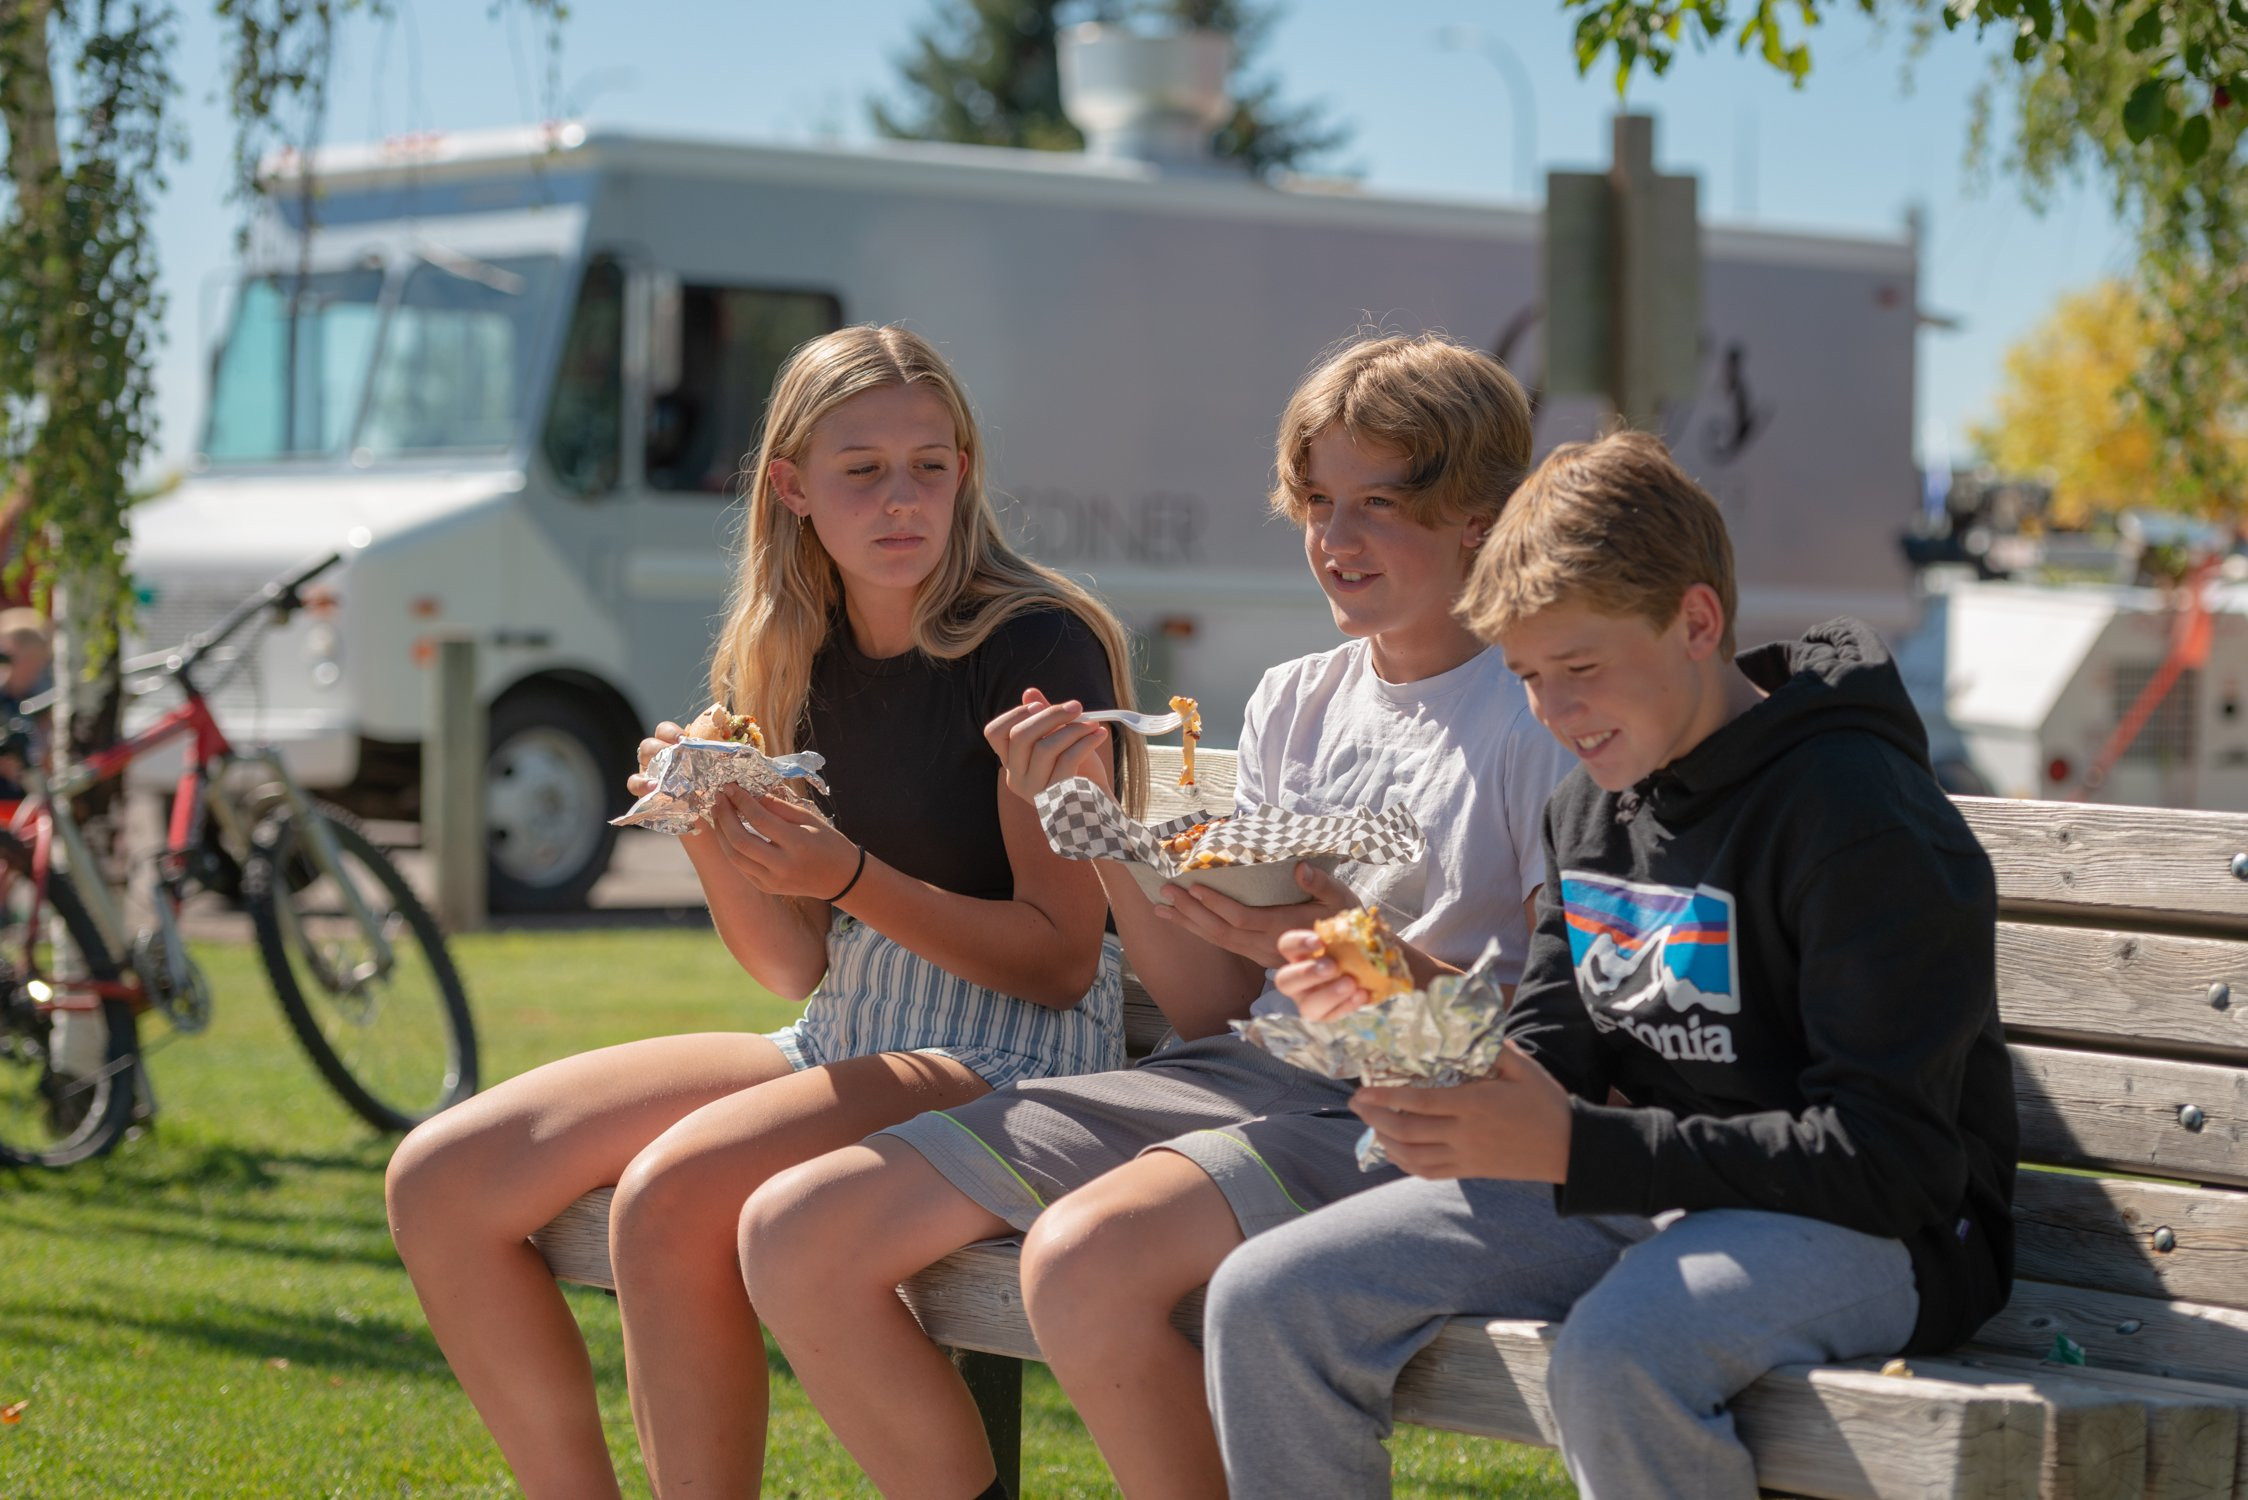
279, 594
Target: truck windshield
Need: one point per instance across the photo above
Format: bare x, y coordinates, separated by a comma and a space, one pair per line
289, 380
316, 365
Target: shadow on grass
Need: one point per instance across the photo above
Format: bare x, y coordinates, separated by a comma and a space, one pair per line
308, 1237
223, 1327
190, 1161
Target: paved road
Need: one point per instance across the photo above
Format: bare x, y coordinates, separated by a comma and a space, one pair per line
649, 881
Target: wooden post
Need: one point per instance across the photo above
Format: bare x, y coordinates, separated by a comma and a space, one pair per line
452, 787
996, 1382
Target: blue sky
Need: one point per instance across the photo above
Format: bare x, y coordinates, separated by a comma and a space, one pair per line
1846, 154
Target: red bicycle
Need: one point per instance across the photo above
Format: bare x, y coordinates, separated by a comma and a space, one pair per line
357, 963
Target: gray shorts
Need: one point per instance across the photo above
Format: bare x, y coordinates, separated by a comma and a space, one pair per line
1278, 1141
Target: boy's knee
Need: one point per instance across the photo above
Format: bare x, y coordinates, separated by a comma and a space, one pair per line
1611, 1350
783, 1225
1062, 1257
1083, 1264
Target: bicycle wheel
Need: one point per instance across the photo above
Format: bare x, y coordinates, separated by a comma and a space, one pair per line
397, 1046
64, 1097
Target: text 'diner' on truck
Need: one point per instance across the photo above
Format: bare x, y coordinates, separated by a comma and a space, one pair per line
514, 375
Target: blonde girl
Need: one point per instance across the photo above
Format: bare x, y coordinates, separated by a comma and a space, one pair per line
881, 619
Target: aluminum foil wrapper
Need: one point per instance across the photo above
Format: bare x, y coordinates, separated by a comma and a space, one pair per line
1434, 1038
690, 774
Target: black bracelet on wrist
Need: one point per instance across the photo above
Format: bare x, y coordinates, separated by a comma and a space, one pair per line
854, 880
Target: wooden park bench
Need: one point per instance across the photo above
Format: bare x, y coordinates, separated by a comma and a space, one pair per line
2123, 938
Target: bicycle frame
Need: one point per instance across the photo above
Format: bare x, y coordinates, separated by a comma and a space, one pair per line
211, 755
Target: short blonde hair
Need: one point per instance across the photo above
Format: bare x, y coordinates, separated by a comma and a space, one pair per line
1461, 421
1615, 526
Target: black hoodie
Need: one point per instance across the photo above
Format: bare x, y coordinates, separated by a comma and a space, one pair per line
1780, 949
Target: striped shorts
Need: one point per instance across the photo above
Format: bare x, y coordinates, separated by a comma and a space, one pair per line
880, 997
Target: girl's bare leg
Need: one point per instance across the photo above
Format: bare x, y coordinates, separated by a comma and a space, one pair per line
693, 1354
1102, 1270
466, 1190
823, 1247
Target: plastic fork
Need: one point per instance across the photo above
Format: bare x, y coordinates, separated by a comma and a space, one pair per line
1138, 723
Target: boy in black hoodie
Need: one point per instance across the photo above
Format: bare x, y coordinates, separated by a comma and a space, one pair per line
1755, 1052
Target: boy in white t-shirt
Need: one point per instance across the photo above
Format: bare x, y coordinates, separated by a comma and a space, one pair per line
1395, 456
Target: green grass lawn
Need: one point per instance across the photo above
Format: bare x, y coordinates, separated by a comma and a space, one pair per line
215, 1310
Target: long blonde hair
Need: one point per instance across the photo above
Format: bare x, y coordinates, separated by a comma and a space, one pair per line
788, 589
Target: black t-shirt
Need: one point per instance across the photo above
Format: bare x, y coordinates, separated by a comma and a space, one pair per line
913, 779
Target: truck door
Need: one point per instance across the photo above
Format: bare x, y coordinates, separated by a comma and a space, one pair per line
710, 353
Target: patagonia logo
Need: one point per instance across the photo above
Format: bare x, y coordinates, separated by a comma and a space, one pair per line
1656, 961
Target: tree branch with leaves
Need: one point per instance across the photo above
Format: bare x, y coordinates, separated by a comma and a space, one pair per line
86, 91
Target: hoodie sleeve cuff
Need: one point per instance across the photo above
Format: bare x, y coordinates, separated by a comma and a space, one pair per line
1611, 1161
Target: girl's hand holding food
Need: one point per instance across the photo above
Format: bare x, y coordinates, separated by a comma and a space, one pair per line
1041, 743
666, 733
783, 847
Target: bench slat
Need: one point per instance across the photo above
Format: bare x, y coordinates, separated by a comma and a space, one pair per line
2191, 1340
2153, 863
2160, 1392
1145, 1026
2150, 992
2100, 1233
2132, 1114
1841, 1433
576, 1241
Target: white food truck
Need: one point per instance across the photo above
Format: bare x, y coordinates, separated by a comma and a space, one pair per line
514, 375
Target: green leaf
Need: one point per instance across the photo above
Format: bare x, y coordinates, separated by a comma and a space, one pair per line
2025, 46
2040, 14
2145, 31
2142, 112
2196, 56
2082, 23
2193, 139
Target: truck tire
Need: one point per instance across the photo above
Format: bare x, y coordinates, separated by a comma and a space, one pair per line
554, 777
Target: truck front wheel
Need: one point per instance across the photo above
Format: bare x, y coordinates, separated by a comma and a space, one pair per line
552, 783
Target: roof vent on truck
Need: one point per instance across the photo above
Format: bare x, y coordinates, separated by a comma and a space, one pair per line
1156, 99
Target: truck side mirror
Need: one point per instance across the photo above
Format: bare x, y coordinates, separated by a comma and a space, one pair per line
666, 320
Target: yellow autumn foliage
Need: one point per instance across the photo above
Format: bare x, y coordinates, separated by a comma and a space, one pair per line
2064, 408
2065, 411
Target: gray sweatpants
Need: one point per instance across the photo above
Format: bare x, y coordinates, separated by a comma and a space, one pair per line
1307, 1327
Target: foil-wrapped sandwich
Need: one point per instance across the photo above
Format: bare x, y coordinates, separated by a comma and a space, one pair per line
689, 775
1446, 1034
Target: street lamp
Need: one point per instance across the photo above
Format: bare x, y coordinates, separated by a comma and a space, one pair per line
1519, 92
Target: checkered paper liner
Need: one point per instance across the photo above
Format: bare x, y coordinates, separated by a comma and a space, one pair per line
689, 774
1084, 822
1443, 1035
